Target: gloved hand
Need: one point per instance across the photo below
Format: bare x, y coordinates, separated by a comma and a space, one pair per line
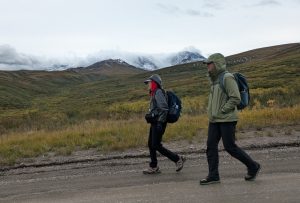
159, 127
150, 118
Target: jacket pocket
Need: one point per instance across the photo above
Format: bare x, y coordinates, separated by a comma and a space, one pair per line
218, 104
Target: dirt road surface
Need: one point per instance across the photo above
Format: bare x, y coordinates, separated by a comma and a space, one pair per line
121, 180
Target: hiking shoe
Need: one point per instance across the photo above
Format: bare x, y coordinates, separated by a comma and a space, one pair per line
209, 180
151, 170
179, 163
252, 174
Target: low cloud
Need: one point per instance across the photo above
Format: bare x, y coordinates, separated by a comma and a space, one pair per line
142, 60
11, 59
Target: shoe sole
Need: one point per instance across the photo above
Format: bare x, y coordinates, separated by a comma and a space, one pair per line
211, 182
183, 160
254, 177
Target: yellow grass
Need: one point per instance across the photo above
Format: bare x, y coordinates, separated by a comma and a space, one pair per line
123, 134
257, 118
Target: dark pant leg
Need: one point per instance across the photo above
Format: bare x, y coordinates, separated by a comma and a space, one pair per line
228, 137
214, 136
156, 145
152, 150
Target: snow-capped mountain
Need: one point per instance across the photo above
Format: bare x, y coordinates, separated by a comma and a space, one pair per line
109, 62
109, 67
10, 59
104, 64
160, 61
145, 63
185, 57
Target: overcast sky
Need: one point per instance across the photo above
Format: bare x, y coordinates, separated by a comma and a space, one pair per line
57, 29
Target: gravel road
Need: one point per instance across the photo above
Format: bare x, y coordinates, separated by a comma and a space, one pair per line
121, 180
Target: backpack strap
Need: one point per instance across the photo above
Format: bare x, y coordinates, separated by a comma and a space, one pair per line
164, 92
222, 81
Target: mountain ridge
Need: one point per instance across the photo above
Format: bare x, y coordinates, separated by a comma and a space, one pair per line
109, 67
261, 53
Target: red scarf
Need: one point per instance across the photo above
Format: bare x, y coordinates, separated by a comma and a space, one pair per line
153, 87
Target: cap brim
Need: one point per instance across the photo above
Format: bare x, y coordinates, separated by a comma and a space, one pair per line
206, 61
147, 81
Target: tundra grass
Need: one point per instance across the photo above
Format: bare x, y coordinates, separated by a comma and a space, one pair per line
51, 100
110, 135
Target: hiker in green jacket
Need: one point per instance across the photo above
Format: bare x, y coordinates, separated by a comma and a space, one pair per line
223, 117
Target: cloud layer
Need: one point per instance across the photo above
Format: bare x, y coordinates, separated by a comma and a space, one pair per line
11, 59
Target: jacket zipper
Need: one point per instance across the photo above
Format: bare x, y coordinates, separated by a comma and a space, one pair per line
211, 102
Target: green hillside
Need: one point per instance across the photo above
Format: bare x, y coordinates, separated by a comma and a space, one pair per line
51, 100
102, 108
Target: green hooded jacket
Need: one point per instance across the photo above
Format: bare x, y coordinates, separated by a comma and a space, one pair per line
222, 107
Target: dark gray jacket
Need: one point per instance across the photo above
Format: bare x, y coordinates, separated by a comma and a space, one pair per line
159, 106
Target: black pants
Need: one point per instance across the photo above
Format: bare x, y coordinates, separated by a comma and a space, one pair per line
154, 144
225, 130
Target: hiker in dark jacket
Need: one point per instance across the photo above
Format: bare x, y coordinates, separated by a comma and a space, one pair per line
157, 117
223, 117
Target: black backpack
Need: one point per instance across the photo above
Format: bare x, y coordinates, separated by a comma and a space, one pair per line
243, 88
174, 105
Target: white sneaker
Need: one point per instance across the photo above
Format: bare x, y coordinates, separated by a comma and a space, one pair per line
151, 170
179, 163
